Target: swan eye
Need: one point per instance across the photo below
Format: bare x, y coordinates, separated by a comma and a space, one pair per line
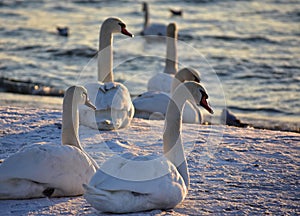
204, 95
196, 79
84, 95
122, 25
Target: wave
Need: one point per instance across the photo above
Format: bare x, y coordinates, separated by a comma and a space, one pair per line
253, 39
77, 52
262, 109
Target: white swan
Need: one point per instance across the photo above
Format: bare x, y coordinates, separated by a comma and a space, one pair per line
153, 104
129, 183
162, 81
112, 99
153, 28
51, 169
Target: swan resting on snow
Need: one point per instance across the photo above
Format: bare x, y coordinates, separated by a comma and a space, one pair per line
51, 170
153, 104
112, 99
129, 183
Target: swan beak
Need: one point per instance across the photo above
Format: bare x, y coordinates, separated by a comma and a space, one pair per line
125, 32
89, 104
206, 106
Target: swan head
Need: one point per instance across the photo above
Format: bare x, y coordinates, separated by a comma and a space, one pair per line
188, 74
199, 94
115, 25
80, 96
172, 30
145, 6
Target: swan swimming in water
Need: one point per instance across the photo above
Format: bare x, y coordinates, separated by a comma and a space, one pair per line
112, 99
129, 183
163, 81
51, 170
153, 104
152, 28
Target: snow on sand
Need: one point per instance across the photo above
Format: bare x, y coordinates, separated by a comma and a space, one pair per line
233, 170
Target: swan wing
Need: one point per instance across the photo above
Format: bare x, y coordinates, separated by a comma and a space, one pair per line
131, 184
155, 29
152, 102
114, 106
134, 173
109, 95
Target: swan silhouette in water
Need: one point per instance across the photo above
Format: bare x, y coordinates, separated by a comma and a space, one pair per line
153, 104
51, 170
112, 99
152, 28
129, 183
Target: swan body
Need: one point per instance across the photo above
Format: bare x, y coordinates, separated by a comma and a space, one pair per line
112, 99
153, 28
163, 81
41, 170
130, 183
153, 104
114, 106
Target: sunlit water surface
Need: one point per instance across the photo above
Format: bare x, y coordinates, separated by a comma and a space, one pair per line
246, 51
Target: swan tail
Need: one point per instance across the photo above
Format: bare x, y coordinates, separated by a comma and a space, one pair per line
21, 189
90, 190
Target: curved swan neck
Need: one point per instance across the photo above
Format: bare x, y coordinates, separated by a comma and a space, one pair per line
178, 79
105, 55
70, 121
171, 55
172, 141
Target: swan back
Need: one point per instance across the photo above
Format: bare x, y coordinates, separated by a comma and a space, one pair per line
130, 183
114, 108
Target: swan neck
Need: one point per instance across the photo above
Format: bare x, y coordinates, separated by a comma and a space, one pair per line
172, 140
171, 55
70, 122
105, 55
175, 83
146, 15
178, 79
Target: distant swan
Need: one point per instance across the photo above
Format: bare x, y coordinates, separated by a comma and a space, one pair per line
153, 104
162, 81
153, 28
51, 170
112, 99
129, 183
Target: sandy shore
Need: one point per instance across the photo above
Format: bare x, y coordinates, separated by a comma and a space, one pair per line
234, 171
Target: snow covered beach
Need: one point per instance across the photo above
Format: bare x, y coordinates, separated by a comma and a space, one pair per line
233, 170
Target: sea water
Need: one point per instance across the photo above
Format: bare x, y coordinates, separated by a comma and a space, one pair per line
248, 52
